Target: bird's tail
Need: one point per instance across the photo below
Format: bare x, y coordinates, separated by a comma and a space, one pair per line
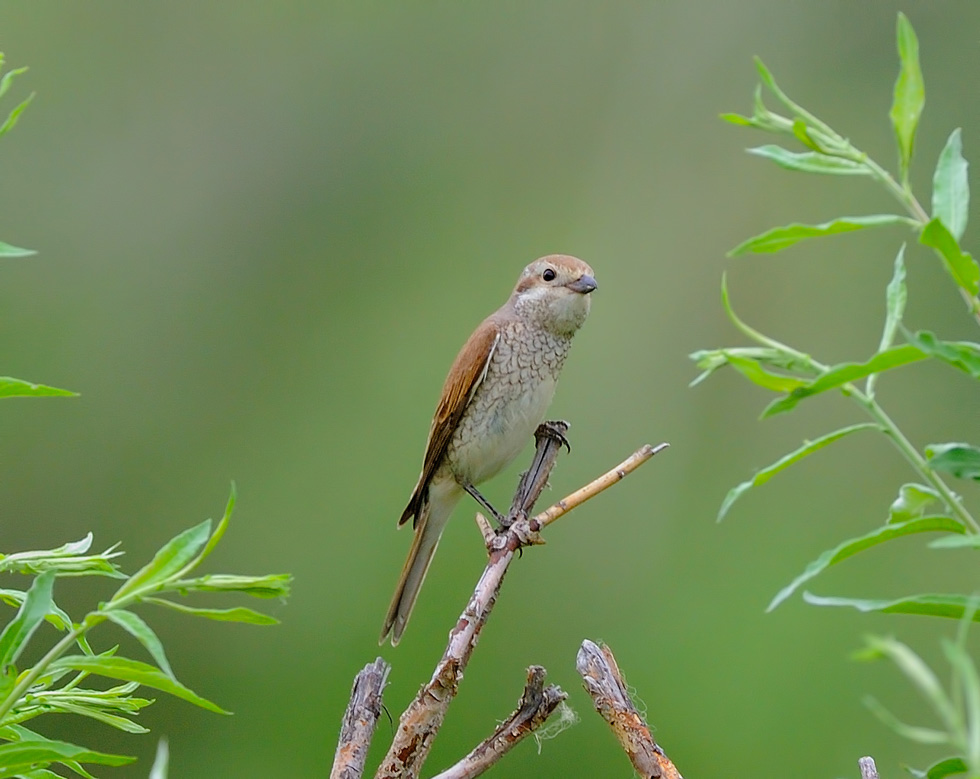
431, 521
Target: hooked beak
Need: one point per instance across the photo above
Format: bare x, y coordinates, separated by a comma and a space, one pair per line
584, 284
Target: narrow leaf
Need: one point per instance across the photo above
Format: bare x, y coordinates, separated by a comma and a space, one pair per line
134, 671
14, 115
780, 238
956, 542
960, 265
219, 531
935, 605
238, 614
917, 671
960, 354
961, 460
966, 672
273, 585
852, 546
911, 732
22, 755
808, 448
175, 554
37, 605
896, 296
755, 373
6, 250
912, 501
112, 720
951, 187
138, 629
161, 763
910, 94
844, 373
15, 388
810, 162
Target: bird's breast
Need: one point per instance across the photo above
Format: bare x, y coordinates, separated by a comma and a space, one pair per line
508, 405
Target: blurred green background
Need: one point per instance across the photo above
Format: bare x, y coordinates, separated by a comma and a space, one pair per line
265, 229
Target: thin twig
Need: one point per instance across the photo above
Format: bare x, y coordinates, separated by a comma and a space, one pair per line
419, 724
360, 720
605, 684
535, 706
868, 768
596, 486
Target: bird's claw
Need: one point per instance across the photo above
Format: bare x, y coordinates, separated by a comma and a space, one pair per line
555, 429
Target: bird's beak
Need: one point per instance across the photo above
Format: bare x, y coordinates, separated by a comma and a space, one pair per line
584, 284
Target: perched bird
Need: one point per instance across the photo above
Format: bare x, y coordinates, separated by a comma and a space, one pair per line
495, 396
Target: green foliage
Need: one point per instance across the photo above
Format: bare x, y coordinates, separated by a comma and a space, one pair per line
928, 504
53, 683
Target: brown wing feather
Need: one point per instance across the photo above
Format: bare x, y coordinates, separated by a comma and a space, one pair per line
467, 372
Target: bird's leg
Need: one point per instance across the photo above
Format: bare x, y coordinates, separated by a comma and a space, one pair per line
484, 502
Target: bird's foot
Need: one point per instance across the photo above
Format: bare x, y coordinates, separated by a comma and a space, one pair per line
556, 430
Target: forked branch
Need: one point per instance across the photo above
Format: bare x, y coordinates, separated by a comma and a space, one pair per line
419, 724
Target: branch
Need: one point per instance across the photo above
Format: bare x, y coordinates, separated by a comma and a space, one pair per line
419, 724
536, 705
604, 682
360, 720
868, 768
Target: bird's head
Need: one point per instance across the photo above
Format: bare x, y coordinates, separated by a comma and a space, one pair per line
554, 293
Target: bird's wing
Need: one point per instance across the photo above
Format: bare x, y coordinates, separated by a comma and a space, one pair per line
467, 373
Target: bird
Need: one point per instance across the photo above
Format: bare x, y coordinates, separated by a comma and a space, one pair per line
496, 394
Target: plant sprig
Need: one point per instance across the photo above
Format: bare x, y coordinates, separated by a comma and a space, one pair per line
53, 683
928, 504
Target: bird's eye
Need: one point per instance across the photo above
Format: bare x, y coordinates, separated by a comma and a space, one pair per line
549, 274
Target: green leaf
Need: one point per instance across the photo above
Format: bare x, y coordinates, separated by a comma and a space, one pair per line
162, 761
170, 560
112, 720
852, 546
802, 133
912, 501
219, 531
755, 373
239, 614
966, 672
951, 187
20, 756
948, 767
960, 265
896, 296
6, 250
935, 605
910, 732
810, 162
910, 94
138, 629
56, 617
273, 585
14, 115
961, 460
960, 354
15, 388
710, 360
916, 670
956, 542
7, 80
808, 448
780, 238
844, 373
37, 605
134, 671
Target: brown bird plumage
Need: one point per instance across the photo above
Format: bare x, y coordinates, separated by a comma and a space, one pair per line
496, 394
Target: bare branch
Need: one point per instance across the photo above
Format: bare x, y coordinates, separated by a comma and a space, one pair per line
868, 768
536, 705
605, 684
360, 720
419, 724
596, 486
